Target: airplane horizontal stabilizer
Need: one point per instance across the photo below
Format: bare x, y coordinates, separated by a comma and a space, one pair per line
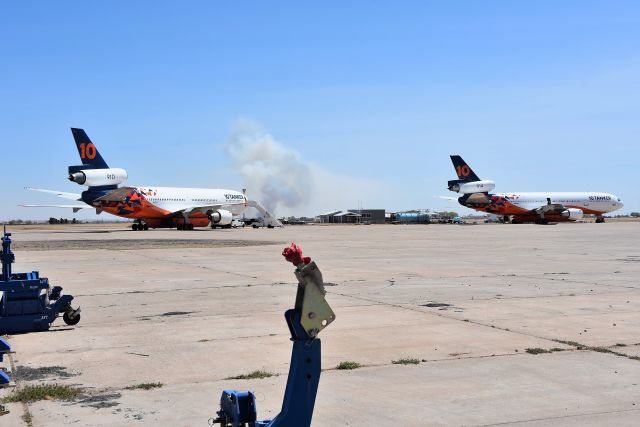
75, 208
63, 194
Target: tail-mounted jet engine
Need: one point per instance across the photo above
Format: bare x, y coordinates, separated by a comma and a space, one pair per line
466, 187
572, 214
220, 217
99, 177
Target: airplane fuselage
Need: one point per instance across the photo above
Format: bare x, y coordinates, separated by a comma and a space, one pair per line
156, 205
149, 206
594, 203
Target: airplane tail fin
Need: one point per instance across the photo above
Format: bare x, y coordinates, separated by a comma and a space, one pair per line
91, 158
465, 173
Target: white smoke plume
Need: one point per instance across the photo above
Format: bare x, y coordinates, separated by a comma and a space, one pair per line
285, 183
275, 175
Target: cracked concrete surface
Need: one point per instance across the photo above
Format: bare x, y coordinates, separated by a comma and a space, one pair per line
506, 288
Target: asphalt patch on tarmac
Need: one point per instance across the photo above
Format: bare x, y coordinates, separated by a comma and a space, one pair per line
168, 314
134, 244
100, 401
176, 313
27, 373
442, 306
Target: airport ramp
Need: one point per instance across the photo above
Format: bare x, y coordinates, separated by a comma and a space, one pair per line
267, 217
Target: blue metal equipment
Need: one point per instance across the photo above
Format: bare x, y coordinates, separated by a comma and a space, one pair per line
310, 315
5, 348
27, 302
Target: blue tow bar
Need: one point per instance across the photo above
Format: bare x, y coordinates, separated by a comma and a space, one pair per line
311, 314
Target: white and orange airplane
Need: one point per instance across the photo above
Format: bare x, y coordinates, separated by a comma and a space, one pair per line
540, 208
149, 206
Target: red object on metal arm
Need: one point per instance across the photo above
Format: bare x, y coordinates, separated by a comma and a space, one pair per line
293, 254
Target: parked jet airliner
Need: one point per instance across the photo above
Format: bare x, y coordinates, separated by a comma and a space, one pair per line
528, 207
150, 206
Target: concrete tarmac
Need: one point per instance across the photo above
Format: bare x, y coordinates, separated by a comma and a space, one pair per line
190, 309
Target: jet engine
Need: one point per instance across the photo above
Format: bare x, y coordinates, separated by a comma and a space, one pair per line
572, 214
220, 217
98, 177
472, 187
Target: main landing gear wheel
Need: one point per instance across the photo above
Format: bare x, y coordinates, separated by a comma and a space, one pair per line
139, 226
599, 219
70, 318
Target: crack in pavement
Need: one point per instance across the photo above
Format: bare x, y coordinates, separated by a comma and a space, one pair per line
559, 417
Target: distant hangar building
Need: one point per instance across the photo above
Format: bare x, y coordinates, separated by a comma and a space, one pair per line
354, 216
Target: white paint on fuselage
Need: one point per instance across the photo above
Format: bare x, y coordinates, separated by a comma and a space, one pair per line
175, 198
600, 202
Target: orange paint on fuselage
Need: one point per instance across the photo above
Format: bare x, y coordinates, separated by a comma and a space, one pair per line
496, 205
499, 205
136, 206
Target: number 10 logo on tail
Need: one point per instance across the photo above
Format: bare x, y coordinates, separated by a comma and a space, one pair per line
88, 151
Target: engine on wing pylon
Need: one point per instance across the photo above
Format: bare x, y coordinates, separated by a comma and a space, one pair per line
463, 187
221, 217
572, 214
98, 177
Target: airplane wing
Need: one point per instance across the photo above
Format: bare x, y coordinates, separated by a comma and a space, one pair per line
75, 208
549, 208
116, 195
64, 195
268, 217
190, 210
446, 198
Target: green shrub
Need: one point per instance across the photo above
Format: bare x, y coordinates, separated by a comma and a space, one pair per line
348, 364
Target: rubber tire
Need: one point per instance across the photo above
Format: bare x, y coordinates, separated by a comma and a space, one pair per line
134, 226
145, 227
69, 321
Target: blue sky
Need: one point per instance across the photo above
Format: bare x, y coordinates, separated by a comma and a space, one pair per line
539, 96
